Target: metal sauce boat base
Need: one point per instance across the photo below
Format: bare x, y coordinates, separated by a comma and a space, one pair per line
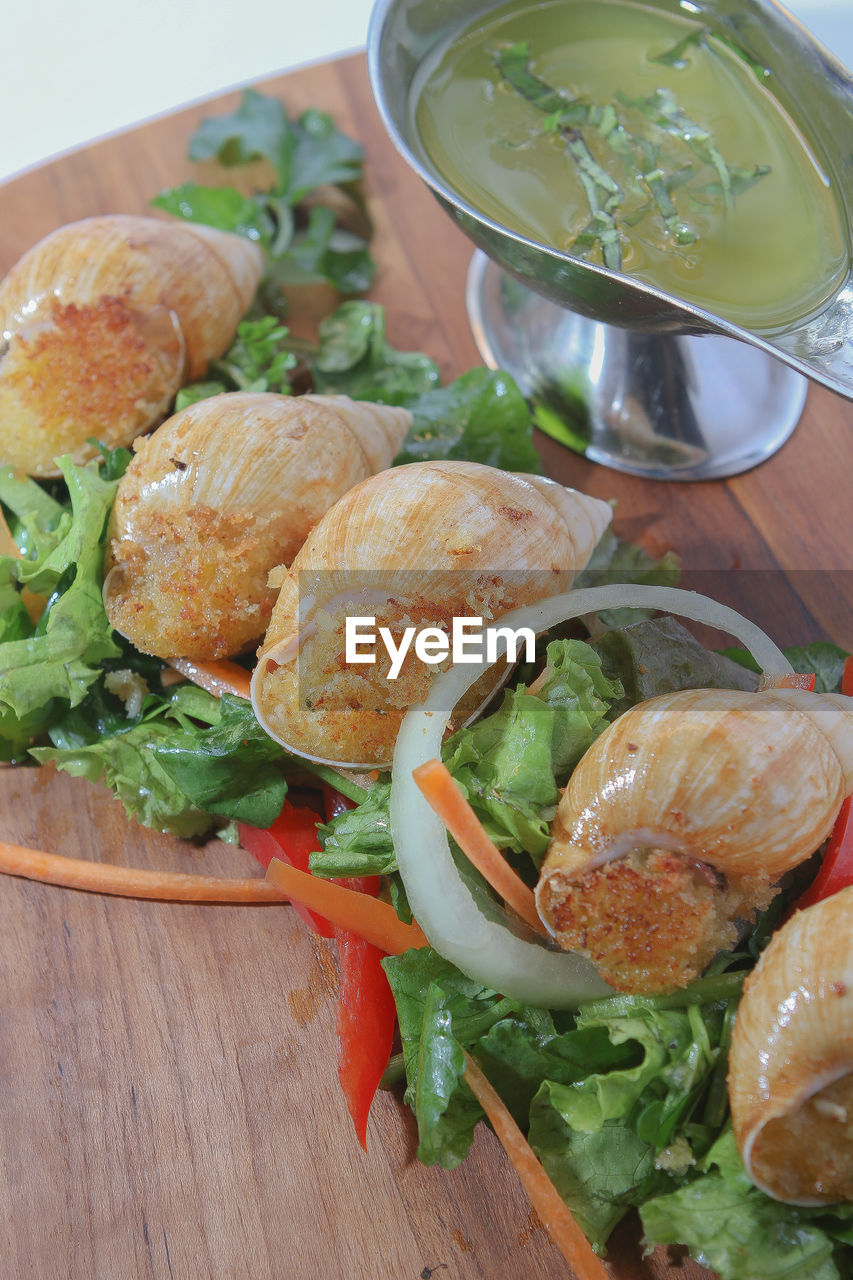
663, 406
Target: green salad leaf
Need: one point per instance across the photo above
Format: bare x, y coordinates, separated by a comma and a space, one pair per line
304, 155
224, 208
446, 1110
509, 765
259, 359
358, 841
354, 358
661, 656
321, 155
732, 1227
257, 130
323, 251
612, 1100
187, 758
481, 417
55, 660
821, 657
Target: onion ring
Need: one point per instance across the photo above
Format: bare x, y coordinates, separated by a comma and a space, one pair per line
487, 951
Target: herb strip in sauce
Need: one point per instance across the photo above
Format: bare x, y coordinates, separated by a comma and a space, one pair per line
636, 139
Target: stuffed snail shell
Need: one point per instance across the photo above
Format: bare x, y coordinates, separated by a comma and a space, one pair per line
102, 321
681, 818
218, 496
791, 1059
414, 546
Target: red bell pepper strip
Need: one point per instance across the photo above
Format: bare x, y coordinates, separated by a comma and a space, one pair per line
366, 1012
847, 677
366, 1016
292, 838
836, 870
334, 802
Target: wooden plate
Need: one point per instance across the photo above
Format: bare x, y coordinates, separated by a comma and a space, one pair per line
170, 1102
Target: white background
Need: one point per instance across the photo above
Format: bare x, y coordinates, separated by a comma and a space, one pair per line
73, 70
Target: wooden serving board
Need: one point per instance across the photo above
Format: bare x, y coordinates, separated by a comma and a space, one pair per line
170, 1107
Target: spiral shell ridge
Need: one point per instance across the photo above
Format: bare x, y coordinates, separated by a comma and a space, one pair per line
427, 541
791, 1058
102, 321
218, 496
681, 818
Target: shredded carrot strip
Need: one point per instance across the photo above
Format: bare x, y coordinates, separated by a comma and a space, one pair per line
436, 784
541, 679
795, 681
540, 1190
216, 677
371, 918
131, 882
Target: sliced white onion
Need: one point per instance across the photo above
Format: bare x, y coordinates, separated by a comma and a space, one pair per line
442, 904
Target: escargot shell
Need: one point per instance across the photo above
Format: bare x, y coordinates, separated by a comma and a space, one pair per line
680, 818
218, 496
791, 1058
417, 545
101, 323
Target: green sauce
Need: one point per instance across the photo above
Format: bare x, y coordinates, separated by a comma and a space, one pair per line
635, 138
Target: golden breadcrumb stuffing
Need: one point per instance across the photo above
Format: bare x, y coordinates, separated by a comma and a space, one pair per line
651, 921
324, 706
197, 587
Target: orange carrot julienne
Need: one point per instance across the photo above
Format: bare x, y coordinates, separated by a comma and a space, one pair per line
540, 1190
216, 677
131, 882
371, 918
795, 680
435, 782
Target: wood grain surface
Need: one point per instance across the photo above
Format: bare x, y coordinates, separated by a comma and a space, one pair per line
170, 1105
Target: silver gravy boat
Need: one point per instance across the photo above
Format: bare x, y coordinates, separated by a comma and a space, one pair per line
627, 374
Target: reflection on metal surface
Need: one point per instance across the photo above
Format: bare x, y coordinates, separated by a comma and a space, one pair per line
666, 406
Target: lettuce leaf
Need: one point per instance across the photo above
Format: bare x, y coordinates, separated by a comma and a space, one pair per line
257, 130
440, 1011
600, 1174
188, 758
446, 1110
824, 659
354, 358
612, 1098
57, 660
661, 656
324, 251
732, 1227
411, 975
512, 763
509, 764
358, 841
